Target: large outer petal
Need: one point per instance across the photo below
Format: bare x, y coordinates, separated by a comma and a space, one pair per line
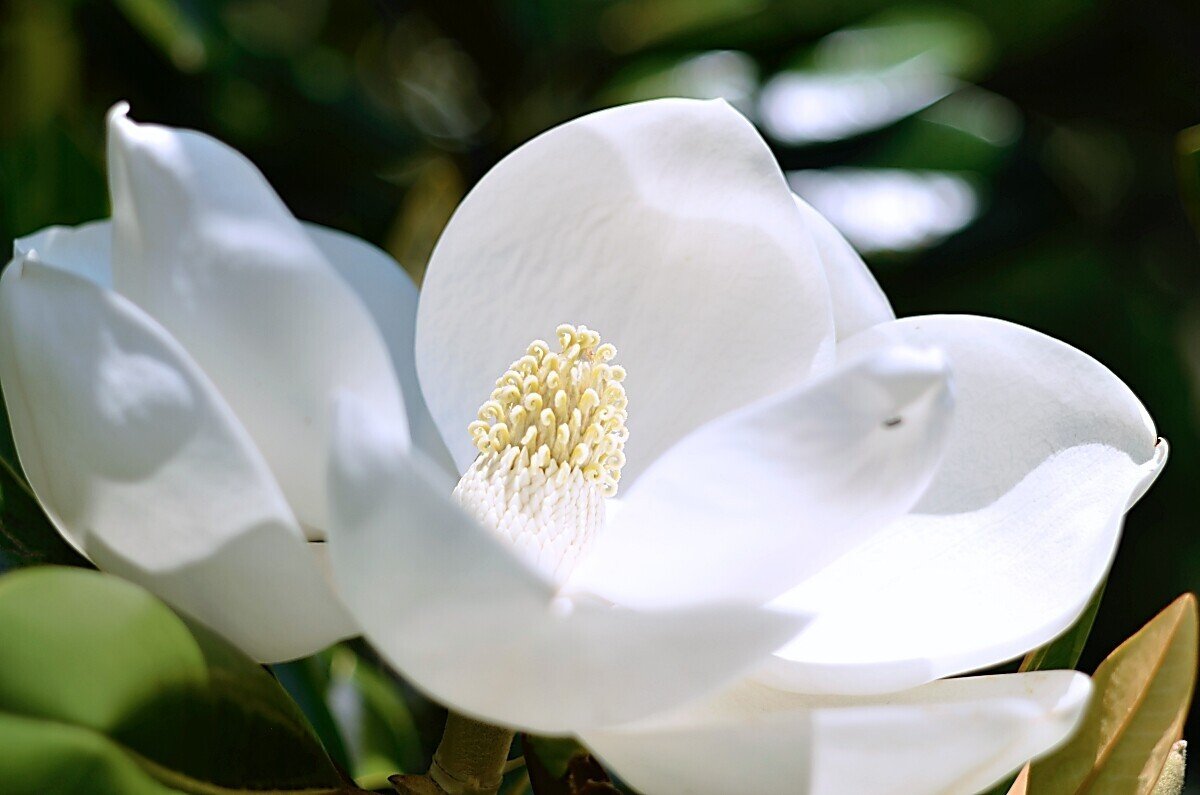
667, 227
858, 301
380, 283
464, 620
142, 466
204, 246
747, 506
954, 737
1003, 552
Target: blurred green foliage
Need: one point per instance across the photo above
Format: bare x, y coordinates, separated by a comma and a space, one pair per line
116, 695
1019, 159
368, 720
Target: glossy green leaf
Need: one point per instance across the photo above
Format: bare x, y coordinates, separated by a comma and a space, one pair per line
361, 714
970, 130
881, 71
104, 690
307, 682
388, 740
1143, 690
948, 41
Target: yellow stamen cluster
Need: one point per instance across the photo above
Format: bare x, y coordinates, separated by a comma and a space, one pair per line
565, 406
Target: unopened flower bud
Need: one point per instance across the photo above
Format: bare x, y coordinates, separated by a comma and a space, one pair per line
1170, 781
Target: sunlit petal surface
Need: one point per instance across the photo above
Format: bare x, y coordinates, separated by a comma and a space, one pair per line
1002, 553
656, 224
143, 467
468, 622
204, 246
750, 505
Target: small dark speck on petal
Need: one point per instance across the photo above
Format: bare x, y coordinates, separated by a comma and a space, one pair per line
892, 422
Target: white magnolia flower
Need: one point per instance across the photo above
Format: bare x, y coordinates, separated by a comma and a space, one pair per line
810, 531
822, 510
169, 375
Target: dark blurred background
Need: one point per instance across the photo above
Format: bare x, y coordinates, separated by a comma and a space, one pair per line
1019, 159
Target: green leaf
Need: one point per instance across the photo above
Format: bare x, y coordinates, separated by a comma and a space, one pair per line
26, 535
913, 56
972, 130
389, 741
103, 689
1063, 652
307, 682
942, 40
1142, 694
359, 712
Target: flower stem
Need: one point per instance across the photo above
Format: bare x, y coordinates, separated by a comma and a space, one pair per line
470, 760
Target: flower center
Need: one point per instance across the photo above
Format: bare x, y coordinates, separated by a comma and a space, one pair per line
551, 442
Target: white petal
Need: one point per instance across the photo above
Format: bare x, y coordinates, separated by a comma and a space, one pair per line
858, 302
667, 227
464, 620
142, 466
380, 283
1023, 396
391, 297
752, 504
85, 250
205, 247
954, 737
1015, 533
